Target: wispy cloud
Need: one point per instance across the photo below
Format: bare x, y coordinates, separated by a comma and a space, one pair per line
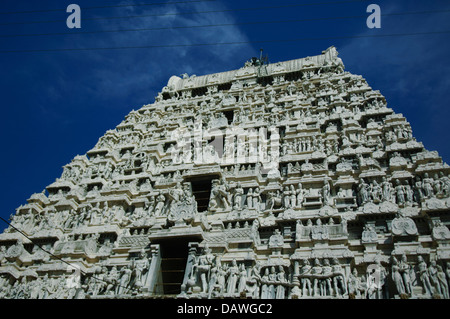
411, 71
122, 73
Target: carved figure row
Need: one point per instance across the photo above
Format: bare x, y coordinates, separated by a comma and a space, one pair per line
325, 277
118, 280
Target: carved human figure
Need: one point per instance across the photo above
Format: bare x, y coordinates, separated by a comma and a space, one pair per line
442, 281
300, 195
220, 195
292, 194
125, 278
326, 288
242, 284
286, 197
265, 284
203, 267
254, 281
221, 276
249, 198
339, 280
405, 271
187, 197
326, 193
409, 193
387, 190
232, 273
376, 280
354, 284
427, 186
316, 272
363, 192
305, 280
256, 199
445, 184
237, 197
175, 195
272, 281
437, 186
375, 191
432, 273
399, 191
273, 199
418, 190
141, 266
112, 279
424, 275
447, 270
397, 277
161, 199
281, 283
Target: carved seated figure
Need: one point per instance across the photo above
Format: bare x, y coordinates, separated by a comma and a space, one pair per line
220, 196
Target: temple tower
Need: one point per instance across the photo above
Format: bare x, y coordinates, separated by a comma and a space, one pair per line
277, 180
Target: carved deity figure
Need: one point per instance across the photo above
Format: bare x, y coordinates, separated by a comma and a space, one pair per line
237, 196
254, 281
400, 194
282, 282
305, 280
220, 195
125, 278
386, 190
326, 193
427, 186
202, 268
442, 282
141, 266
376, 280
355, 286
300, 195
405, 271
273, 200
397, 277
242, 281
265, 285
160, 202
286, 197
339, 280
363, 191
424, 276
256, 198
232, 273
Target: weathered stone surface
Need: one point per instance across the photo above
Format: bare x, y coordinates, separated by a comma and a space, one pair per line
284, 180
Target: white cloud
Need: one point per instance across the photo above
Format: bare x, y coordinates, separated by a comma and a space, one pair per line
411, 71
120, 73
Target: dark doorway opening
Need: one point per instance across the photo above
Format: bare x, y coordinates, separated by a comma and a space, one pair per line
174, 255
229, 115
201, 189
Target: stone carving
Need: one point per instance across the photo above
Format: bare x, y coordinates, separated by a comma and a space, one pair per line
440, 231
403, 226
182, 207
276, 240
318, 190
369, 235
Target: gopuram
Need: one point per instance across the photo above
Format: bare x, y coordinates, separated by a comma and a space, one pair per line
288, 180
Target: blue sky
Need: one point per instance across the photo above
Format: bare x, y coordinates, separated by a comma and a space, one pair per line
57, 103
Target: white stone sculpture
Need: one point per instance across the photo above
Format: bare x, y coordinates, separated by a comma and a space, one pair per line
316, 191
